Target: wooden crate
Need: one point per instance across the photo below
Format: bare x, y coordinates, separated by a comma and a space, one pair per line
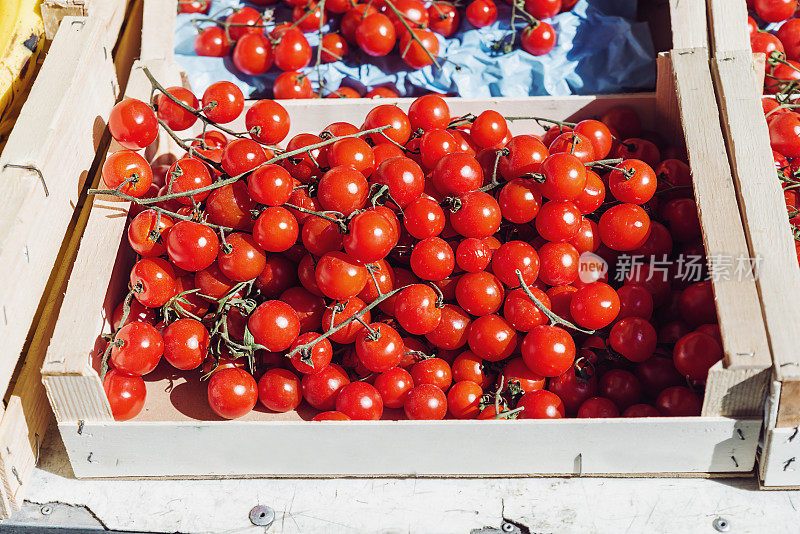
58, 136
739, 78
189, 442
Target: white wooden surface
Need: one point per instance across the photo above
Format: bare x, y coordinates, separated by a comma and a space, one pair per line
590, 446
332, 506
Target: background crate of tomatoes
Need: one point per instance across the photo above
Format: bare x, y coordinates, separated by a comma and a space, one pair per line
626, 63
722, 440
764, 203
45, 168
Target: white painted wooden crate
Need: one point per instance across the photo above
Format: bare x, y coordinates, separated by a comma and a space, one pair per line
763, 209
176, 435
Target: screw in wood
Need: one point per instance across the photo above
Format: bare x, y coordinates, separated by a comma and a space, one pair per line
721, 524
262, 516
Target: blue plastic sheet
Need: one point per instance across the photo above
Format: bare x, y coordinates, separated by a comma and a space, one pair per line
600, 49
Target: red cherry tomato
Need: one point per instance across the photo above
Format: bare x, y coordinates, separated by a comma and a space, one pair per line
133, 124
360, 401
126, 394
425, 401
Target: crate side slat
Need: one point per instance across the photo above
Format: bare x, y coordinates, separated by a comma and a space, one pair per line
689, 24
75, 76
541, 447
736, 388
158, 31
72, 385
764, 212
727, 21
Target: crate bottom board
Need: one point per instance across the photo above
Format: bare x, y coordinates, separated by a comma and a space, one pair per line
412, 448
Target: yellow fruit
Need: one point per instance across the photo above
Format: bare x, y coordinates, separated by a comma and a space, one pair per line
21, 45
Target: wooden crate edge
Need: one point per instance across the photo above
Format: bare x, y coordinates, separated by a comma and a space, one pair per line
727, 21
764, 212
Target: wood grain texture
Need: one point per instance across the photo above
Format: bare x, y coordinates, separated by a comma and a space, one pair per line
740, 318
779, 466
727, 21
158, 31
335, 448
689, 24
763, 207
75, 76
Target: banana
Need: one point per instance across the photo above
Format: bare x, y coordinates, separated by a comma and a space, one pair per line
21, 45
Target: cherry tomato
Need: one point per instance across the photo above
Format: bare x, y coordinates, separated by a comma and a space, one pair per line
137, 348
573, 391
125, 392
279, 390
478, 215
399, 129
695, 353
538, 39
393, 386
232, 393
541, 404
457, 174
276, 229
321, 389
153, 281
624, 227
432, 259
634, 338
186, 343
479, 293
379, 348
595, 306
244, 21
598, 407
360, 401
133, 124
275, 325
212, 42
419, 52
548, 350
775, 10
492, 338
425, 401
340, 276
463, 400
429, 112
520, 201
678, 401
424, 218
525, 155
128, 170
481, 13
241, 156
192, 246
632, 181
376, 35
444, 19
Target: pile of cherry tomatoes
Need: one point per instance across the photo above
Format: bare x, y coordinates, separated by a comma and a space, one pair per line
256, 43
416, 266
781, 88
